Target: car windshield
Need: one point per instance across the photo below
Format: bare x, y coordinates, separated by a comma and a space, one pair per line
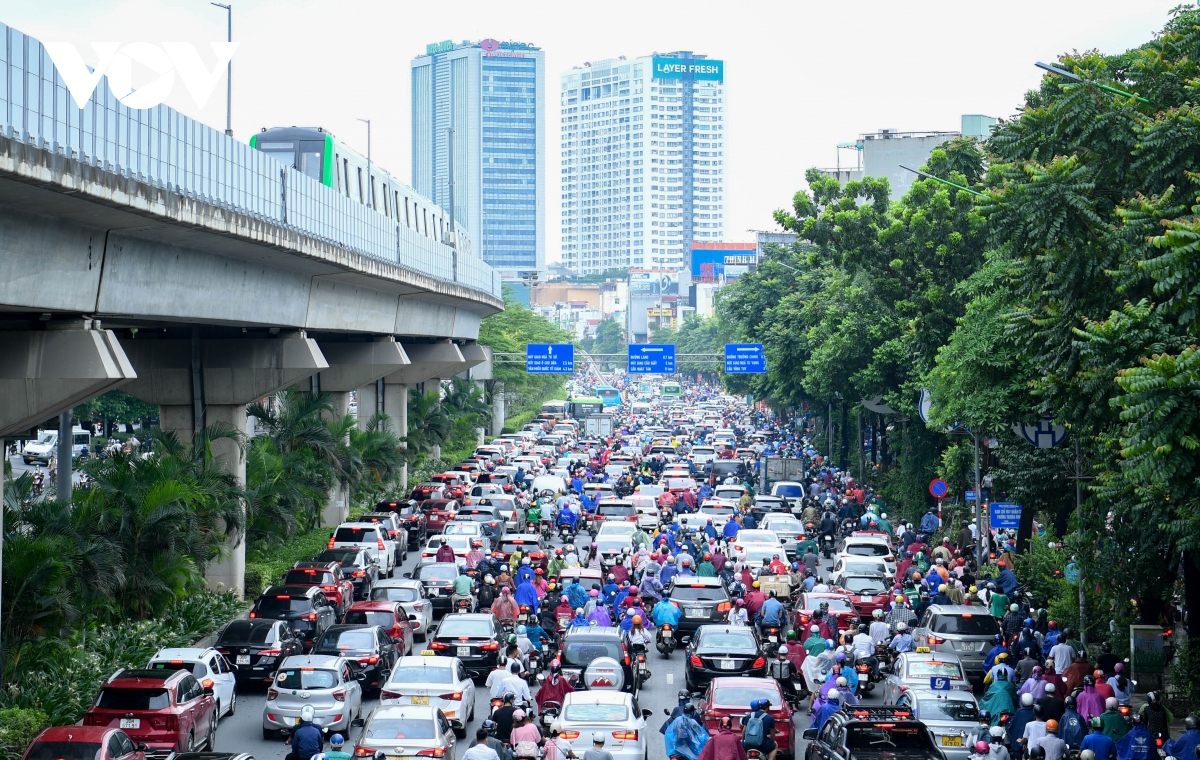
918, 668
741, 695
836, 603
63, 751
344, 641
864, 567
198, 669
698, 593
601, 713
440, 571
860, 585
715, 509
459, 529
948, 709
455, 542
583, 652
787, 526
407, 674
393, 594
356, 535
474, 628
788, 491
724, 641
966, 625
399, 728
867, 737
309, 577
868, 550
247, 632
371, 617
278, 604
305, 678
133, 699
341, 556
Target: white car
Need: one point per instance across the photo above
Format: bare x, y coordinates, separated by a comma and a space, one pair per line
209, 667
463, 528
787, 527
648, 516
615, 714
732, 493
440, 682
755, 539
552, 483
406, 731
413, 600
600, 491
702, 455
461, 544
371, 537
712, 509
870, 547
844, 565
790, 490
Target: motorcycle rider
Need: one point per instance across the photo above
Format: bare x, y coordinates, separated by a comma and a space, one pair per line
900, 613
463, 585
1138, 744
1156, 717
726, 744
783, 671
505, 608
684, 736
1186, 745
1071, 727
758, 729
555, 688
1098, 743
771, 613
306, 738
902, 641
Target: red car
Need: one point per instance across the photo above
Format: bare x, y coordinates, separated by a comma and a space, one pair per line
84, 741
867, 593
427, 490
452, 484
337, 587
438, 512
165, 710
732, 696
388, 615
840, 607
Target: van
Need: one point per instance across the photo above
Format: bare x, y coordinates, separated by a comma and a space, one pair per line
46, 445
965, 631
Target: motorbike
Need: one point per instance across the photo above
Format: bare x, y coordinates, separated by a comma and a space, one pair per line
534, 668
665, 640
565, 532
524, 616
463, 605
771, 634
547, 532
641, 671
549, 714
827, 545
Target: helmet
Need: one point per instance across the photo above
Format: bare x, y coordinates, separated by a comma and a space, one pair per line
558, 552
578, 610
1013, 608
503, 590
555, 727
598, 738
1089, 680
684, 695
1053, 623
829, 643
489, 726
811, 628
518, 715
902, 626
594, 592
984, 717
1087, 754
726, 721
509, 696
834, 696
594, 544
337, 740
1069, 702
877, 614
1096, 722
556, 666
637, 619
522, 630
783, 650
981, 747
840, 657
997, 732
862, 628
1189, 722
512, 639
841, 682
1026, 700
1151, 697
795, 565
307, 713
1051, 688
612, 577
1052, 725
633, 590
791, 635
741, 602
1110, 703
562, 598
1119, 667
1036, 752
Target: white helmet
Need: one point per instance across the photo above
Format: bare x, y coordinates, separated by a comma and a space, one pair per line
307, 713
841, 682
877, 614
783, 651
902, 626
834, 695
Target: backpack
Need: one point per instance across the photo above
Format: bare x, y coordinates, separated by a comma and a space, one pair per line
754, 730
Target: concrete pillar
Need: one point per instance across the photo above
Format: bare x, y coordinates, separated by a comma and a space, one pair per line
229, 570
395, 406
368, 404
497, 408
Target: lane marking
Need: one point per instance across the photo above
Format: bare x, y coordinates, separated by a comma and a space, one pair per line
670, 678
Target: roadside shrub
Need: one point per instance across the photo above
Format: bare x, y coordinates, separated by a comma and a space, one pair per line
18, 726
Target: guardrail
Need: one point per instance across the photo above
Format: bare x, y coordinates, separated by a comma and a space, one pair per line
163, 148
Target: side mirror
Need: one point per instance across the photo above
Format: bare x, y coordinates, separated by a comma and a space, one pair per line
648, 713
810, 734
408, 575
357, 723
141, 747
385, 674
207, 691
666, 712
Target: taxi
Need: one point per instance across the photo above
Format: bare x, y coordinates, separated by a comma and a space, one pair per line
923, 669
427, 679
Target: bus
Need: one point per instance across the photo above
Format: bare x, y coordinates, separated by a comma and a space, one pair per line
555, 406
672, 390
583, 406
609, 395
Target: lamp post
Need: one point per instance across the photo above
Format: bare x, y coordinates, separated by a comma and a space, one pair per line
1059, 71
228, 69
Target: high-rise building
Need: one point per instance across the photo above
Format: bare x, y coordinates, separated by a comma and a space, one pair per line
490, 96
643, 162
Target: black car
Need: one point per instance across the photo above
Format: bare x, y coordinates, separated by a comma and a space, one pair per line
305, 608
413, 518
722, 650
580, 646
369, 648
485, 513
358, 565
702, 600
471, 637
256, 647
867, 729
438, 580
720, 469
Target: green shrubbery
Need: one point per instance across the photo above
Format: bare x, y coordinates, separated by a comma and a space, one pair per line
18, 726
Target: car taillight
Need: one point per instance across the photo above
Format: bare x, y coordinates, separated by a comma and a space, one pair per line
272, 693
492, 646
569, 734
630, 735
311, 616
724, 606
419, 606
270, 653
434, 752
759, 663
369, 660
330, 544
360, 574
453, 696
364, 752
439, 645
936, 640
389, 694
696, 662
252, 615
632, 518
330, 589
165, 722
379, 542
340, 695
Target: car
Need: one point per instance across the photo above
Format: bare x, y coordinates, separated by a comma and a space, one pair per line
613, 544
503, 481
731, 695
479, 491
396, 531
370, 537
438, 512
719, 511
529, 544
410, 594
765, 505
723, 468
860, 731
913, 670
461, 527
486, 512
390, 616
790, 490
358, 565
598, 491
870, 546
614, 510
441, 682
427, 490
209, 667
305, 608
438, 580
702, 455
473, 637
762, 540
615, 714
722, 650
163, 709
729, 492
580, 646
851, 565
328, 577
867, 593
787, 528
701, 599
411, 515
617, 528
460, 544
951, 716
406, 731
89, 742
966, 632
839, 606
648, 516
370, 650
326, 682
256, 647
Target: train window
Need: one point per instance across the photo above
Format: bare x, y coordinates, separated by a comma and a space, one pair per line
425, 221
346, 171
386, 205
360, 185
311, 154
283, 152
337, 169
371, 198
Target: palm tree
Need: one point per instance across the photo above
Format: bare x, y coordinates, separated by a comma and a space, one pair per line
429, 425
379, 451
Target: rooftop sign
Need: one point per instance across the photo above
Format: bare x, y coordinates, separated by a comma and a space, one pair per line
691, 68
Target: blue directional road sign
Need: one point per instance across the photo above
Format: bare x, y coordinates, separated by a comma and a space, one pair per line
969, 496
939, 683
744, 359
652, 359
550, 358
1004, 514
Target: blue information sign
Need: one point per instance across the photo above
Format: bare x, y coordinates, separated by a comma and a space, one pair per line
547, 358
939, 683
652, 359
969, 496
1004, 514
744, 359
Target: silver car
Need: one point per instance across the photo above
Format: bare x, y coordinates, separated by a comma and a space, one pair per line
411, 596
787, 527
963, 631
920, 670
325, 682
951, 716
425, 729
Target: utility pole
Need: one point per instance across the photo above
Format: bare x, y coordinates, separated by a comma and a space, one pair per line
228, 69
978, 510
1079, 475
370, 185
450, 171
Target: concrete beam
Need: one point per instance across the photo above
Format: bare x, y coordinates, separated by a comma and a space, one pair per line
235, 371
428, 360
48, 372
473, 356
486, 370
353, 365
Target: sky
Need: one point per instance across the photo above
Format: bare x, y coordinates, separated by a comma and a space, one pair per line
801, 75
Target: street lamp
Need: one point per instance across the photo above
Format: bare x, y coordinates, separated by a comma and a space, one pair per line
228, 69
955, 185
1059, 71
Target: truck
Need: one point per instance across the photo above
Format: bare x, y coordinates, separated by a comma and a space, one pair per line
776, 469
46, 445
598, 425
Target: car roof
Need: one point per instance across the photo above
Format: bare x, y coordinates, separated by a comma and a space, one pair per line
358, 524
399, 582
310, 660
374, 604
426, 661
599, 697
76, 733
183, 653
957, 694
593, 631
404, 711
698, 580
136, 677
938, 656
957, 609
280, 590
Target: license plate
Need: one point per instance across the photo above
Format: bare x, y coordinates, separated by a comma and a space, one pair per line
696, 612
774, 639
243, 659
952, 741
131, 722
727, 665
868, 599
464, 651
420, 700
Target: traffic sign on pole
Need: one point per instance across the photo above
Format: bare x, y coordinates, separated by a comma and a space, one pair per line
938, 488
969, 496
1005, 515
745, 359
550, 358
651, 359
